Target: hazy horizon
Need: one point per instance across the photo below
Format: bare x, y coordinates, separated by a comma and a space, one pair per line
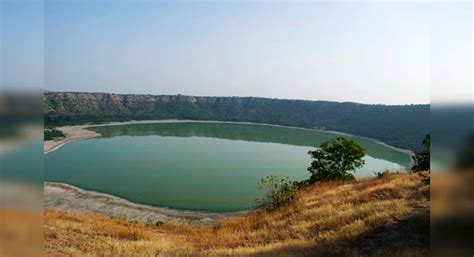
364, 52
279, 98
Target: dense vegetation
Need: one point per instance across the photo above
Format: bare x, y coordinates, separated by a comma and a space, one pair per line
50, 134
401, 126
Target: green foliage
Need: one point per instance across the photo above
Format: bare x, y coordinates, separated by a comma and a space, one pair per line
421, 159
334, 159
383, 122
50, 134
277, 192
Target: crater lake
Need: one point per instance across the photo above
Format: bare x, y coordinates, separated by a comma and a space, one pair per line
196, 165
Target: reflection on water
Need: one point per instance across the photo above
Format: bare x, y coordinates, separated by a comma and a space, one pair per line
196, 165
253, 133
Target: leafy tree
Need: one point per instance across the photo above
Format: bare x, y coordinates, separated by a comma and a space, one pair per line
334, 159
278, 191
421, 158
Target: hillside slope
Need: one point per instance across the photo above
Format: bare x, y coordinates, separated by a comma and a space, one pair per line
386, 216
401, 126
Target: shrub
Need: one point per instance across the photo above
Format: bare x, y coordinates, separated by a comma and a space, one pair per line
277, 192
421, 158
381, 174
51, 134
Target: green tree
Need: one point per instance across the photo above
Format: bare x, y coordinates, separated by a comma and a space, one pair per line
334, 159
421, 159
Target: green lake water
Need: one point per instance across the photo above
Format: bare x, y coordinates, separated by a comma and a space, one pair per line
198, 166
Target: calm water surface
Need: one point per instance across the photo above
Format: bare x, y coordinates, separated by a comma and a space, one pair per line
200, 166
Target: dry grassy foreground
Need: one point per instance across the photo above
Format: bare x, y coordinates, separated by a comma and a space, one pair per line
387, 216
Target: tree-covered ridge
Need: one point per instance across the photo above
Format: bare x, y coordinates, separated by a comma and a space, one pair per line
398, 125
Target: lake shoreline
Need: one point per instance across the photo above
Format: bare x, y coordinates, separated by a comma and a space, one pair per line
66, 197
71, 134
78, 132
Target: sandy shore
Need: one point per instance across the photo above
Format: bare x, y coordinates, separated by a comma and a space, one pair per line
72, 133
69, 198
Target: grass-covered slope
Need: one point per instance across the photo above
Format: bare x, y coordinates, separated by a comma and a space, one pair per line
386, 216
401, 126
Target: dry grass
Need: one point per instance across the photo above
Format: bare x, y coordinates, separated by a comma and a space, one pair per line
69, 234
383, 217
21, 232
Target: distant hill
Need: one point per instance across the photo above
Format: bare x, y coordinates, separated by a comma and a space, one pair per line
399, 125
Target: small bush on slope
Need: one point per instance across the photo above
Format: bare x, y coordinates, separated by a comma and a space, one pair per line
329, 219
277, 192
421, 159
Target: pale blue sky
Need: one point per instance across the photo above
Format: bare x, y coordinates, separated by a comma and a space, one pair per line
21, 44
342, 51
